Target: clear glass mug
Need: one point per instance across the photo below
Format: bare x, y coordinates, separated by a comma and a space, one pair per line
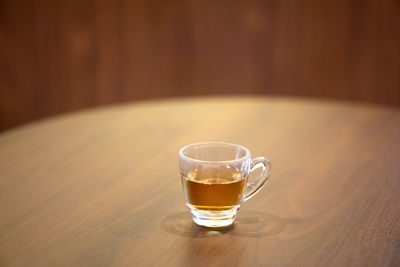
215, 180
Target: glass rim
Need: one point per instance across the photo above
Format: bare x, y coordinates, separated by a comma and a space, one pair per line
182, 155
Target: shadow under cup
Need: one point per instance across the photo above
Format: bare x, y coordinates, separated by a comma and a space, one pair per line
215, 182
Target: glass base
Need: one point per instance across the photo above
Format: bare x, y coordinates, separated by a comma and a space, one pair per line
213, 219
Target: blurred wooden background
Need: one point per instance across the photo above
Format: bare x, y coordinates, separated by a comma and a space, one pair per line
58, 56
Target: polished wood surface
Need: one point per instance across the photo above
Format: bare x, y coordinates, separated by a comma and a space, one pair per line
102, 188
63, 55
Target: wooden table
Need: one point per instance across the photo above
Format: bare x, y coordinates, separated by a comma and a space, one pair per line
101, 187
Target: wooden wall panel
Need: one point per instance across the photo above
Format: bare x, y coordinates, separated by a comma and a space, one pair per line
58, 56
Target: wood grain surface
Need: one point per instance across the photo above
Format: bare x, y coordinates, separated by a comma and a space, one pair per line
101, 187
58, 56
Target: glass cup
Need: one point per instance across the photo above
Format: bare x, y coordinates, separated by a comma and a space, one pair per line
215, 180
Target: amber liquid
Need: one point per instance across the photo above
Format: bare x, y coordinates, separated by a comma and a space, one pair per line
214, 190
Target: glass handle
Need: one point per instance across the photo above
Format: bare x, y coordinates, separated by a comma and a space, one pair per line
253, 188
